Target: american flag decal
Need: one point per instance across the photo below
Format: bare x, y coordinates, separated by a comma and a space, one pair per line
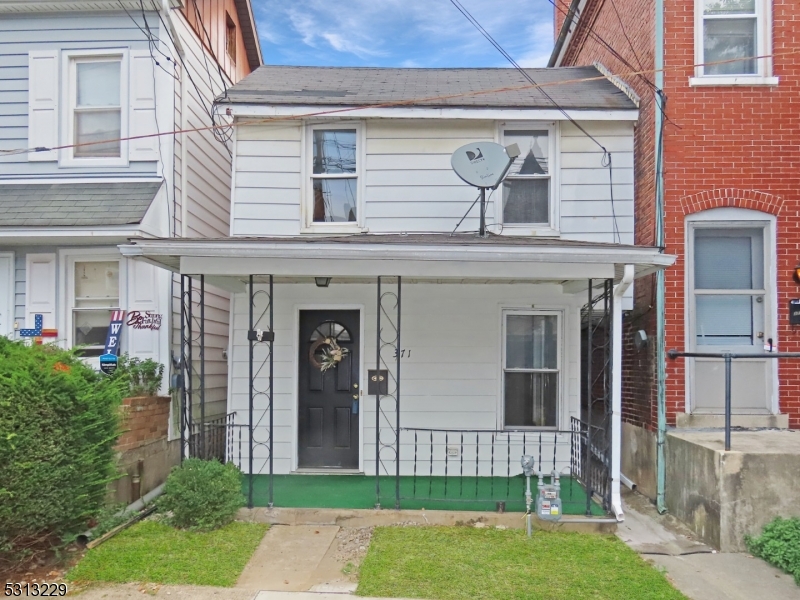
114, 332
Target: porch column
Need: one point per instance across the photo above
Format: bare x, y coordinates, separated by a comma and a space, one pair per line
616, 390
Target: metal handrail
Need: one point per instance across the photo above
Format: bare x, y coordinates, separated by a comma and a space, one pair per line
729, 357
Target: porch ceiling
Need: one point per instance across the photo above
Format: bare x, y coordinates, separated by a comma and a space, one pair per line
419, 257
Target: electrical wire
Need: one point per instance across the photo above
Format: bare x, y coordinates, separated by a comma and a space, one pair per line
605, 161
522, 71
390, 104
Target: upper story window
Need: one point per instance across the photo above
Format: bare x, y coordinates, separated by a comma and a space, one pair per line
230, 37
730, 35
334, 179
96, 107
528, 190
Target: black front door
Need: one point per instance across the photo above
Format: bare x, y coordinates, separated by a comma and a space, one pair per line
329, 392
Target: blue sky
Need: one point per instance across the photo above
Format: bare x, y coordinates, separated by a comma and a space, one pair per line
403, 33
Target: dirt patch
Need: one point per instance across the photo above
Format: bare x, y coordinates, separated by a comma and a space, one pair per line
352, 546
642, 504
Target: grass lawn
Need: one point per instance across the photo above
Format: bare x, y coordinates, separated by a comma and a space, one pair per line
157, 553
443, 563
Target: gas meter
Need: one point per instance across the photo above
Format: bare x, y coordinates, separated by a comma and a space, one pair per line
548, 500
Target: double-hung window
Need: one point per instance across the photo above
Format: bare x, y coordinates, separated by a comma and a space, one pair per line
527, 190
730, 35
531, 369
96, 295
334, 176
96, 107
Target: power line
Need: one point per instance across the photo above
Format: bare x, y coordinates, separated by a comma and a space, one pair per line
390, 104
522, 71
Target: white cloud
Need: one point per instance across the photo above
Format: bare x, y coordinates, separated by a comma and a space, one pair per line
419, 32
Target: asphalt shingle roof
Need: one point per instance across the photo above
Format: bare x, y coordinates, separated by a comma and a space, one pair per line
359, 86
75, 204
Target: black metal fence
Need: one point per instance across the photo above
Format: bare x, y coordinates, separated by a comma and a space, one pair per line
483, 466
212, 439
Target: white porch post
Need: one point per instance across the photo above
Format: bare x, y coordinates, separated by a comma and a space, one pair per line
616, 392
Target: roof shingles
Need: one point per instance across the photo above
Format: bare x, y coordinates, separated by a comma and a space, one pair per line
570, 87
75, 204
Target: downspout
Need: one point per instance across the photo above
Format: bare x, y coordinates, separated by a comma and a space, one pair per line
616, 391
660, 284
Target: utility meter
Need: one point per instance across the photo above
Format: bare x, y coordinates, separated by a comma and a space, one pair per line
548, 500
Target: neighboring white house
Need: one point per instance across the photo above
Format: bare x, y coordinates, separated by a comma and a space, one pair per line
118, 72
344, 201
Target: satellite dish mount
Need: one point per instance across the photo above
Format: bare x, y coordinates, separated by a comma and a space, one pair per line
483, 165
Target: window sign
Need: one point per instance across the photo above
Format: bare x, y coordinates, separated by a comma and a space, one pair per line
108, 360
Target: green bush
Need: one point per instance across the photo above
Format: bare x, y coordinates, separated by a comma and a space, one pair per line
58, 427
143, 377
202, 494
779, 544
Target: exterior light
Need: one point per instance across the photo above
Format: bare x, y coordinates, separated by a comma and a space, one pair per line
796, 274
322, 281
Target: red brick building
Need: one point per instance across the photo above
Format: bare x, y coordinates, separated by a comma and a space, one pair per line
726, 169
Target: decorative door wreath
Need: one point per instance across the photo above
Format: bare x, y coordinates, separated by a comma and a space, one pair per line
332, 353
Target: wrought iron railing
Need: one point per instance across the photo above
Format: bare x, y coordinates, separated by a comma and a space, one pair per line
593, 468
212, 439
482, 467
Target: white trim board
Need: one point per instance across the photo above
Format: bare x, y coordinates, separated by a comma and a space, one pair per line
242, 111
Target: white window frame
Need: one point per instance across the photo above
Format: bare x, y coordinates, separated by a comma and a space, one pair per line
67, 259
67, 156
307, 209
763, 75
537, 229
559, 314
732, 218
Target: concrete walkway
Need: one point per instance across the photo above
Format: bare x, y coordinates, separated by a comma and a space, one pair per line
290, 558
697, 570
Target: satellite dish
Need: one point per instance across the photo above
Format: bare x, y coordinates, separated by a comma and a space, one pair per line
483, 164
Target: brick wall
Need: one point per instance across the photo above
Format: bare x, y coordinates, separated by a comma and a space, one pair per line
724, 146
631, 35
144, 420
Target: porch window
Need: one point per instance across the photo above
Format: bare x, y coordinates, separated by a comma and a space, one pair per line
96, 296
530, 370
527, 187
334, 175
96, 107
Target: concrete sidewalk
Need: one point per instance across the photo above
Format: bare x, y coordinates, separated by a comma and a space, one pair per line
695, 569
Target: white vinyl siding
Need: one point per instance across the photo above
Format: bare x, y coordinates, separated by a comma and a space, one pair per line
23, 126
409, 185
451, 378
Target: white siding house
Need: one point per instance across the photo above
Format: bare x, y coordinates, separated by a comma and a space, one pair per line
344, 233
88, 92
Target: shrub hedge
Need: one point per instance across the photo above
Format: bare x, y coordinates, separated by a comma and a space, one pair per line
202, 494
58, 427
779, 545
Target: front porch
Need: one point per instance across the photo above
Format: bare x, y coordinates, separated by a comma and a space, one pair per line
424, 407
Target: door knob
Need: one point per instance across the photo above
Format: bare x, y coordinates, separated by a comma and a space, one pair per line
760, 335
355, 396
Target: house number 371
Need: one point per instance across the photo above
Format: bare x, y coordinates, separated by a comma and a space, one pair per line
403, 353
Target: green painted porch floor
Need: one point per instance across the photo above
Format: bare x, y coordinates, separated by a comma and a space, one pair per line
431, 493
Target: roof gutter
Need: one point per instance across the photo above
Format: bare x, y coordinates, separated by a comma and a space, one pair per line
564, 36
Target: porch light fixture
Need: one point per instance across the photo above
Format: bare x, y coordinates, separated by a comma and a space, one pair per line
322, 281
796, 274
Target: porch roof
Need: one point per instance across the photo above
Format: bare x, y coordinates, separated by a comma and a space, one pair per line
415, 256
